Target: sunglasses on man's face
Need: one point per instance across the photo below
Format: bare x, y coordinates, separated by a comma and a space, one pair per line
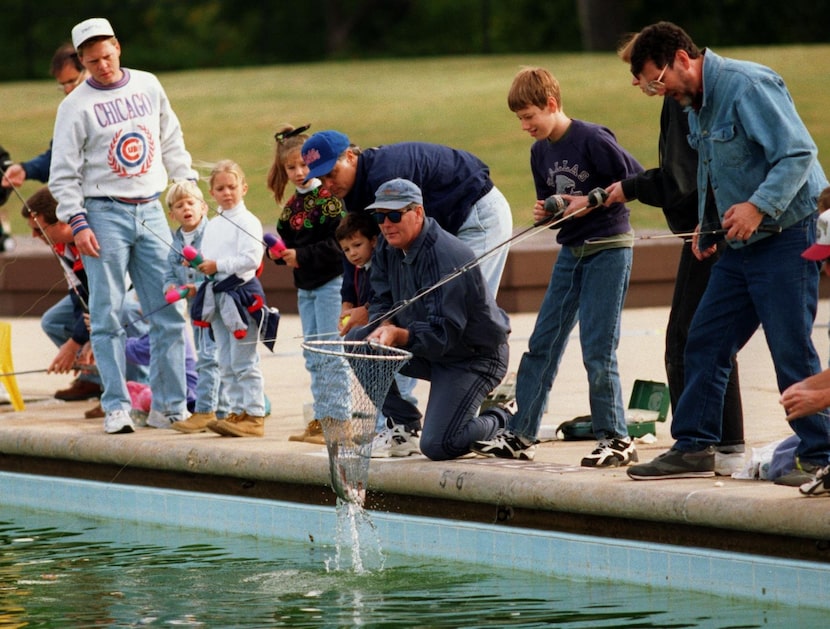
394, 215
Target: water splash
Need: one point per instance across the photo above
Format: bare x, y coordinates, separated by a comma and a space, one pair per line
357, 542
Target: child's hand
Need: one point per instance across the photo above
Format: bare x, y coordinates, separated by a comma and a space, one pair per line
289, 256
577, 205
352, 318
208, 267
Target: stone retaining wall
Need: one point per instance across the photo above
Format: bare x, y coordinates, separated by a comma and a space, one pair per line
31, 280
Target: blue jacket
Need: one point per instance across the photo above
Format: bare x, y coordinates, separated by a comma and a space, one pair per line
37, 168
177, 273
752, 146
450, 180
233, 300
458, 320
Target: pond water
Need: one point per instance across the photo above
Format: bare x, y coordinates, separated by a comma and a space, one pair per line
61, 570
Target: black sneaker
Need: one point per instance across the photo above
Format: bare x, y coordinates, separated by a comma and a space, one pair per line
819, 486
803, 472
676, 464
506, 445
614, 452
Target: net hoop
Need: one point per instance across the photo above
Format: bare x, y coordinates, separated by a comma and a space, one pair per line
348, 349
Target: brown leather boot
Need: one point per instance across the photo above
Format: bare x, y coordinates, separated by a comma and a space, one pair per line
79, 390
95, 412
197, 422
239, 425
313, 434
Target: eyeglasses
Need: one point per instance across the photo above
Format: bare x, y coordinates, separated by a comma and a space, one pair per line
394, 215
71, 83
656, 86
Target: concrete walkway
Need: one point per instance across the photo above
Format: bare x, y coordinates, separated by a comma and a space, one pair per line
552, 492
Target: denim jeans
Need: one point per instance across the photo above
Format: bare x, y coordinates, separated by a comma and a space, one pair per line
591, 290
239, 368
134, 239
319, 313
135, 325
58, 323
767, 283
692, 278
490, 223
211, 396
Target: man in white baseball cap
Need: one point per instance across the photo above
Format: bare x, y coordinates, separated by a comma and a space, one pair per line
117, 145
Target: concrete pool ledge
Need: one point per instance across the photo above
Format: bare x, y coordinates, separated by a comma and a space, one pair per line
538, 493
551, 493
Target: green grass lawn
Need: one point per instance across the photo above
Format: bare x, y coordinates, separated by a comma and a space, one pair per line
459, 101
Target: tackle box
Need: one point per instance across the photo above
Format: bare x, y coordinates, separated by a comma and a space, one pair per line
648, 405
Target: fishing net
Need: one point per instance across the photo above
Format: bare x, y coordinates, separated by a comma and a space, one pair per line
370, 369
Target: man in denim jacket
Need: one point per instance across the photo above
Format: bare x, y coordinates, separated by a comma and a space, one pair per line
757, 160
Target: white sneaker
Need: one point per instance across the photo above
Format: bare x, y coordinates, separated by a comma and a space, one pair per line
395, 441
727, 463
157, 419
118, 421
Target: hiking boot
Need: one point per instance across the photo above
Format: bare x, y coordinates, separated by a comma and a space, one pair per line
395, 440
676, 464
506, 445
95, 412
819, 486
118, 422
313, 433
239, 425
615, 452
803, 473
79, 390
197, 422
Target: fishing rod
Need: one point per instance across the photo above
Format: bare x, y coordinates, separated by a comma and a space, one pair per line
81, 368
68, 274
766, 229
554, 205
685, 236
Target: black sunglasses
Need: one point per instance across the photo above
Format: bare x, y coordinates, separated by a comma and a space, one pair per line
393, 215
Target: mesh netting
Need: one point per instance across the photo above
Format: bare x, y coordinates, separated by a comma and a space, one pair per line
370, 369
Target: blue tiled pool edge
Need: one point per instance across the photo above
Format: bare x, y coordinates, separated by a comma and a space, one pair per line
790, 582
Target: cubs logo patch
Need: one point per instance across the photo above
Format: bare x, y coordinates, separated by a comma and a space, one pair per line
131, 154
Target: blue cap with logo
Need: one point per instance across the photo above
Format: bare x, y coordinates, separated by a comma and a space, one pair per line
321, 151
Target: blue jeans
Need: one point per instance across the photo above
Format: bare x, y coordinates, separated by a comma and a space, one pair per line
490, 223
136, 326
211, 396
767, 283
134, 239
591, 289
239, 368
319, 313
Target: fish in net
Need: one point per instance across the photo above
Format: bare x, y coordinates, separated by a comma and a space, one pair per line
370, 369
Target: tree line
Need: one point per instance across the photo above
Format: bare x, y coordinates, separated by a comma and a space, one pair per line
166, 35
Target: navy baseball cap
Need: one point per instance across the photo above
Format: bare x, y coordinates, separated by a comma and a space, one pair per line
321, 151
